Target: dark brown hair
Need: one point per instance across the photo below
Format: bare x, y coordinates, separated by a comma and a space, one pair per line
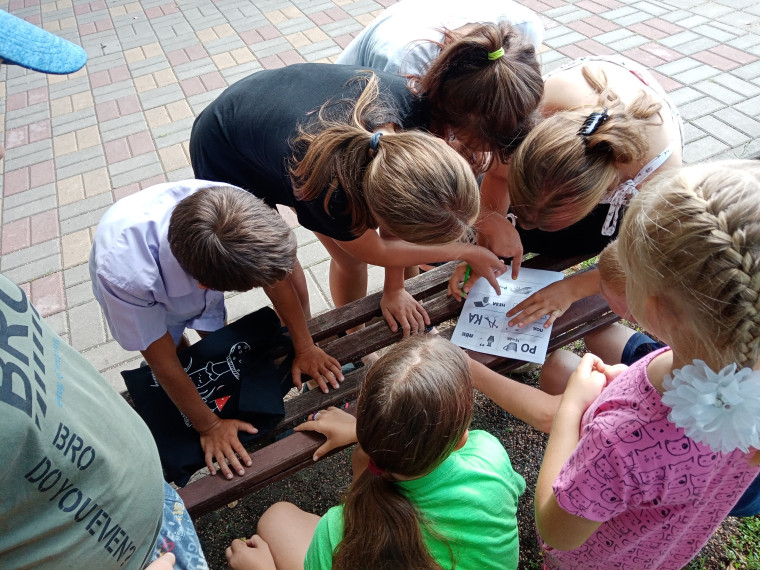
415, 404
489, 104
414, 185
229, 240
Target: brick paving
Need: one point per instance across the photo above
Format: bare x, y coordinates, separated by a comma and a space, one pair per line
77, 143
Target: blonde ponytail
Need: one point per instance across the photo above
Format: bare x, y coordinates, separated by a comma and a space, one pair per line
558, 176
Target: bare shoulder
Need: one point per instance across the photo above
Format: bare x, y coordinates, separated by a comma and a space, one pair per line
566, 90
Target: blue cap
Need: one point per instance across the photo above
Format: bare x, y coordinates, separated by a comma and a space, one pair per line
24, 44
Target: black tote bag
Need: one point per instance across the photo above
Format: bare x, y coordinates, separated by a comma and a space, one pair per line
235, 374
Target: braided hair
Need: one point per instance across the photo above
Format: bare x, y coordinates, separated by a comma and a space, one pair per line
692, 238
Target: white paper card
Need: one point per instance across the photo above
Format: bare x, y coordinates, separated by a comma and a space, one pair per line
483, 327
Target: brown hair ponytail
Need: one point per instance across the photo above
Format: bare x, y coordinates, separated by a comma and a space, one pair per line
558, 176
413, 185
490, 104
414, 406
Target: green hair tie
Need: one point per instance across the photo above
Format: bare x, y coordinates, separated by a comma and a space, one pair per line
494, 55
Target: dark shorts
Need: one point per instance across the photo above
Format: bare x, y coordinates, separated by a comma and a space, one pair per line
637, 347
749, 503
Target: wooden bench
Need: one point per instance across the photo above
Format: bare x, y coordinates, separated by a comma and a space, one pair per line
289, 454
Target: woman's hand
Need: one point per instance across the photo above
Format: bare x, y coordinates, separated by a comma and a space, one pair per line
338, 426
400, 308
553, 300
319, 365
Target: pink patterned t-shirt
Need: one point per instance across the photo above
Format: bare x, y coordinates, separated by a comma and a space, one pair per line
658, 494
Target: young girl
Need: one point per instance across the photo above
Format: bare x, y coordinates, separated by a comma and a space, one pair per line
609, 125
640, 471
427, 493
480, 76
345, 154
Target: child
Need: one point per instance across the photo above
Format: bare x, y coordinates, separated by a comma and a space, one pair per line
341, 149
609, 125
480, 76
619, 344
406, 37
427, 493
613, 344
642, 474
160, 262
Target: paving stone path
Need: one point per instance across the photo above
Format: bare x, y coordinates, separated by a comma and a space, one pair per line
77, 143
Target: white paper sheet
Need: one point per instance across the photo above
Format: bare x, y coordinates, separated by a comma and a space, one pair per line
483, 327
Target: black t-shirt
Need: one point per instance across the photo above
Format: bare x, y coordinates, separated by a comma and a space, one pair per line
245, 136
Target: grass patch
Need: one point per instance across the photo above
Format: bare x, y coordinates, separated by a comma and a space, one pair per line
743, 548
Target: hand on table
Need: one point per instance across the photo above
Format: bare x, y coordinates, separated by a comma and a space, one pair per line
338, 426
400, 308
220, 442
319, 365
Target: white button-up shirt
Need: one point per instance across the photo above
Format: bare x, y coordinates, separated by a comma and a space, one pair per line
143, 290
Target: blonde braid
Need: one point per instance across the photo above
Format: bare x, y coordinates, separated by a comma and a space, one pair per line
740, 282
693, 236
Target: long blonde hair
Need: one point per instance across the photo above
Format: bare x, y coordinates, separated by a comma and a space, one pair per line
413, 185
691, 238
558, 176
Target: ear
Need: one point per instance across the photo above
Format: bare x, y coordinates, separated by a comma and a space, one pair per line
662, 317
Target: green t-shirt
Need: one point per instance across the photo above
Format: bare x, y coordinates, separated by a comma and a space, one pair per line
81, 480
470, 499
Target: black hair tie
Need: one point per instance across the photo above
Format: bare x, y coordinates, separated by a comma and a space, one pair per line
593, 122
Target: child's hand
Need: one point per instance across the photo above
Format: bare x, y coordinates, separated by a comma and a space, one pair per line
315, 362
337, 425
485, 264
163, 562
400, 308
552, 300
586, 383
251, 554
457, 286
498, 234
612, 372
221, 441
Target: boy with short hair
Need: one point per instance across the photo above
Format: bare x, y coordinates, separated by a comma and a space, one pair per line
161, 261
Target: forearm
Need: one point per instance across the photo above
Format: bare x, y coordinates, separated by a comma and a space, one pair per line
388, 252
394, 279
288, 307
584, 284
397, 253
161, 356
534, 407
557, 527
